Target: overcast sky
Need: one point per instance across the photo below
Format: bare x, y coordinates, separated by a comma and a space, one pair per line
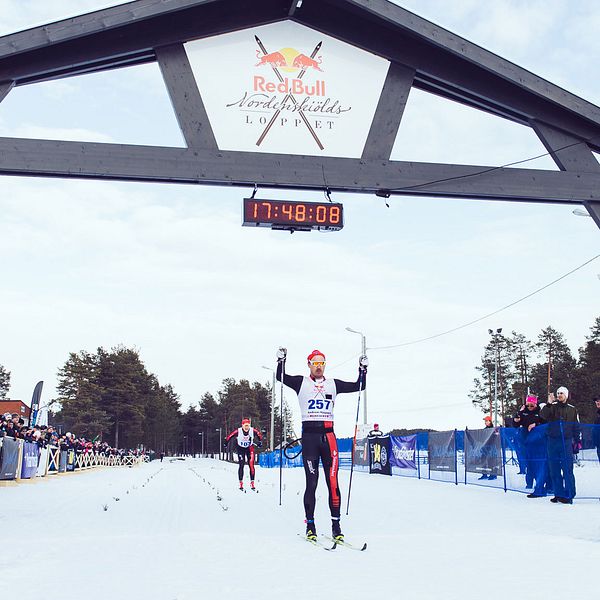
170, 271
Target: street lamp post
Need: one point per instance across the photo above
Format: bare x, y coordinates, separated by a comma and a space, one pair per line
220, 440
495, 335
364, 352
201, 443
271, 435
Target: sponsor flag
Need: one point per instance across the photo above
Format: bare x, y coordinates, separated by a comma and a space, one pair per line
404, 450
379, 455
35, 402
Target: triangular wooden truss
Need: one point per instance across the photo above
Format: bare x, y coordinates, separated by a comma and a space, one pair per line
422, 55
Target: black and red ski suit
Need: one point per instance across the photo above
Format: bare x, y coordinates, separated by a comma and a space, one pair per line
244, 447
317, 398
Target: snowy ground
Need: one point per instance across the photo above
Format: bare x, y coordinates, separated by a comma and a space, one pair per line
168, 537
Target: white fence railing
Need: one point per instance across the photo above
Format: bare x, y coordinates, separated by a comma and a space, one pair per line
54, 461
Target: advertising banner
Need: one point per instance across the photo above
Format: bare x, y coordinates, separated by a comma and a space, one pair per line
10, 459
286, 88
441, 447
404, 451
30, 460
35, 403
41, 470
361, 452
70, 460
483, 451
62, 464
379, 455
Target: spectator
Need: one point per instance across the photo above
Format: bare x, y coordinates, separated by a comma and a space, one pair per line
488, 424
535, 447
563, 442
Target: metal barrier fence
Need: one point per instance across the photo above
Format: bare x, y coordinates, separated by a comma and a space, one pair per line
509, 459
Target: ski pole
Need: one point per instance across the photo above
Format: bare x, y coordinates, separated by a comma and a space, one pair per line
360, 377
281, 425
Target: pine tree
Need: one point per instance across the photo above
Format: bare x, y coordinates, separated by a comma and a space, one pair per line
124, 384
4, 382
588, 374
80, 396
209, 422
520, 350
495, 381
558, 367
111, 394
162, 427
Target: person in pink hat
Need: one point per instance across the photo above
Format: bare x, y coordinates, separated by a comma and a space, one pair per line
527, 419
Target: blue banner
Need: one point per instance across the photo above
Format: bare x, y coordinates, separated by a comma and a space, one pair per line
404, 449
483, 451
31, 454
442, 451
10, 458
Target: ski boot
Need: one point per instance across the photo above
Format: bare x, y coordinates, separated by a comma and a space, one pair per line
336, 530
311, 530
241, 486
252, 485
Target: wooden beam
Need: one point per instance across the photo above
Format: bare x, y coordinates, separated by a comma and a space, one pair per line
594, 209
483, 80
388, 114
47, 158
570, 154
5, 88
185, 97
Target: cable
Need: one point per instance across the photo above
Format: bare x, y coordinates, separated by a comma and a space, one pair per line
437, 335
483, 171
353, 357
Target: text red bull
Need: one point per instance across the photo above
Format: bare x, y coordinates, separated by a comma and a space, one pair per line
287, 86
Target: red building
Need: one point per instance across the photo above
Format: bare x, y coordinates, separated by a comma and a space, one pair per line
16, 406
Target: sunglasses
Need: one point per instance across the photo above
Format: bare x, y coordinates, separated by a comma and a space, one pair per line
317, 363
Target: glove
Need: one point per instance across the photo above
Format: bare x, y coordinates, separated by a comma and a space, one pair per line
258, 443
363, 362
225, 444
281, 354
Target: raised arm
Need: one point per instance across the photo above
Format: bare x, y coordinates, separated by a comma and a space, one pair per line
343, 387
292, 381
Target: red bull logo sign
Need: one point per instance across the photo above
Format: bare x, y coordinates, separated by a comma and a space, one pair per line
287, 97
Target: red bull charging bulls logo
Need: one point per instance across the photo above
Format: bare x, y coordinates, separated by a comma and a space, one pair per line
282, 58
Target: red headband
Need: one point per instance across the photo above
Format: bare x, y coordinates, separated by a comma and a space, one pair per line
246, 421
315, 353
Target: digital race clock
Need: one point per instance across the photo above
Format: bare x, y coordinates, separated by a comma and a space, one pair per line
292, 215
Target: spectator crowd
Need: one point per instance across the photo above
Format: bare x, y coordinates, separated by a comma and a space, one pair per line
12, 425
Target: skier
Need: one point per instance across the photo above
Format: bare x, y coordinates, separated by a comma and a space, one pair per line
245, 440
316, 396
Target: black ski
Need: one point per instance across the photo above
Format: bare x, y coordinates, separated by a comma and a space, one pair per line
345, 544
